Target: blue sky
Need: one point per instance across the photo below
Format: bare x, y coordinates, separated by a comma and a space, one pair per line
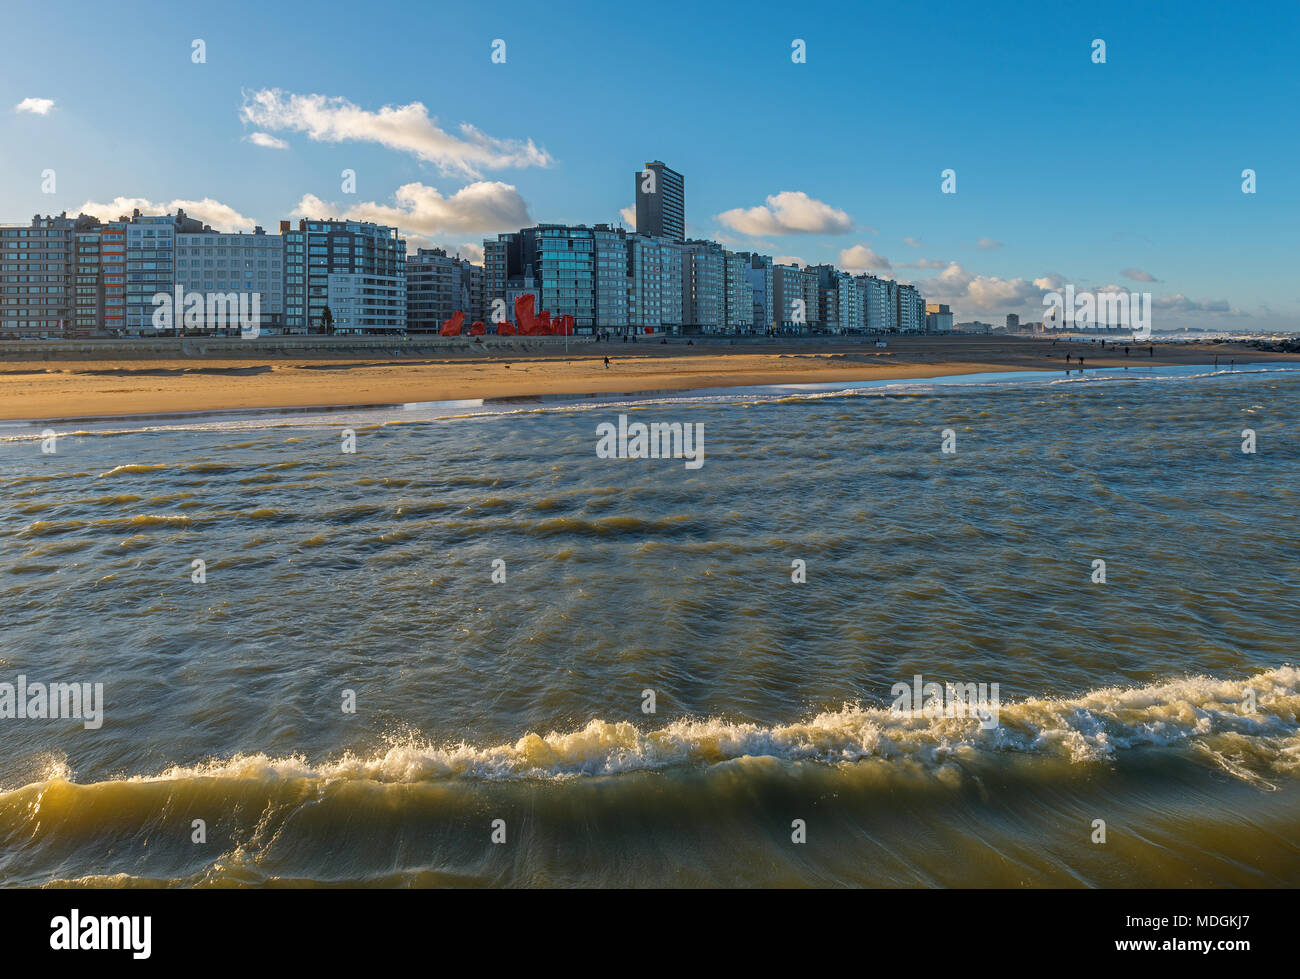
1124, 174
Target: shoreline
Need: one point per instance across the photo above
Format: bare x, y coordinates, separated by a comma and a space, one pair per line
69, 390
937, 372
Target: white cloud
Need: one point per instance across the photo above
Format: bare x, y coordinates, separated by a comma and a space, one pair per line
39, 107
914, 242
789, 260
266, 140
986, 293
1137, 275
422, 210
471, 251
629, 216
222, 217
860, 258
410, 128
974, 295
786, 213
1179, 303
987, 244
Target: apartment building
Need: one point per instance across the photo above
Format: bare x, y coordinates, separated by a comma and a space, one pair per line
645, 260
610, 253
795, 297
563, 259
240, 265
88, 284
759, 275
878, 299
672, 298
938, 318
660, 202
911, 309
738, 297
356, 269
437, 286
151, 263
36, 264
848, 299
703, 285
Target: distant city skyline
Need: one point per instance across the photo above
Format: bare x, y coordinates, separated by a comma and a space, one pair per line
1066, 171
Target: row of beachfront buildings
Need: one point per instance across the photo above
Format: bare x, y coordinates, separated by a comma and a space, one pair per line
84, 277
608, 278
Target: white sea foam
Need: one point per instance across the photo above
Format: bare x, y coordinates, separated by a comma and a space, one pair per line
1203, 715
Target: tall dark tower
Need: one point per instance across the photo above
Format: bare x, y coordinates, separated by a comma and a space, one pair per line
661, 202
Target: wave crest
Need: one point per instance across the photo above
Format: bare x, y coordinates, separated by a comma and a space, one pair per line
1203, 715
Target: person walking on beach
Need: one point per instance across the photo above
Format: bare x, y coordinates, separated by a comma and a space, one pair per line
1126, 351
1067, 358
1151, 351
606, 363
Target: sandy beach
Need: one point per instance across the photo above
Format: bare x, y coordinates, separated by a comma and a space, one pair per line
66, 387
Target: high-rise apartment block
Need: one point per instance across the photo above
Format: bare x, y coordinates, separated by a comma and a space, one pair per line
661, 202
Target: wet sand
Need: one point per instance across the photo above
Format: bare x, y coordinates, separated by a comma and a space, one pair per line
85, 388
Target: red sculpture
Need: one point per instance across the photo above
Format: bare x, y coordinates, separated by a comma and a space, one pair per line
477, 329
451, 328
505, 329
532, 323
524, 314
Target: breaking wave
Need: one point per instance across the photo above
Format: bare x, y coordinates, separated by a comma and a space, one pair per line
1210, 718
